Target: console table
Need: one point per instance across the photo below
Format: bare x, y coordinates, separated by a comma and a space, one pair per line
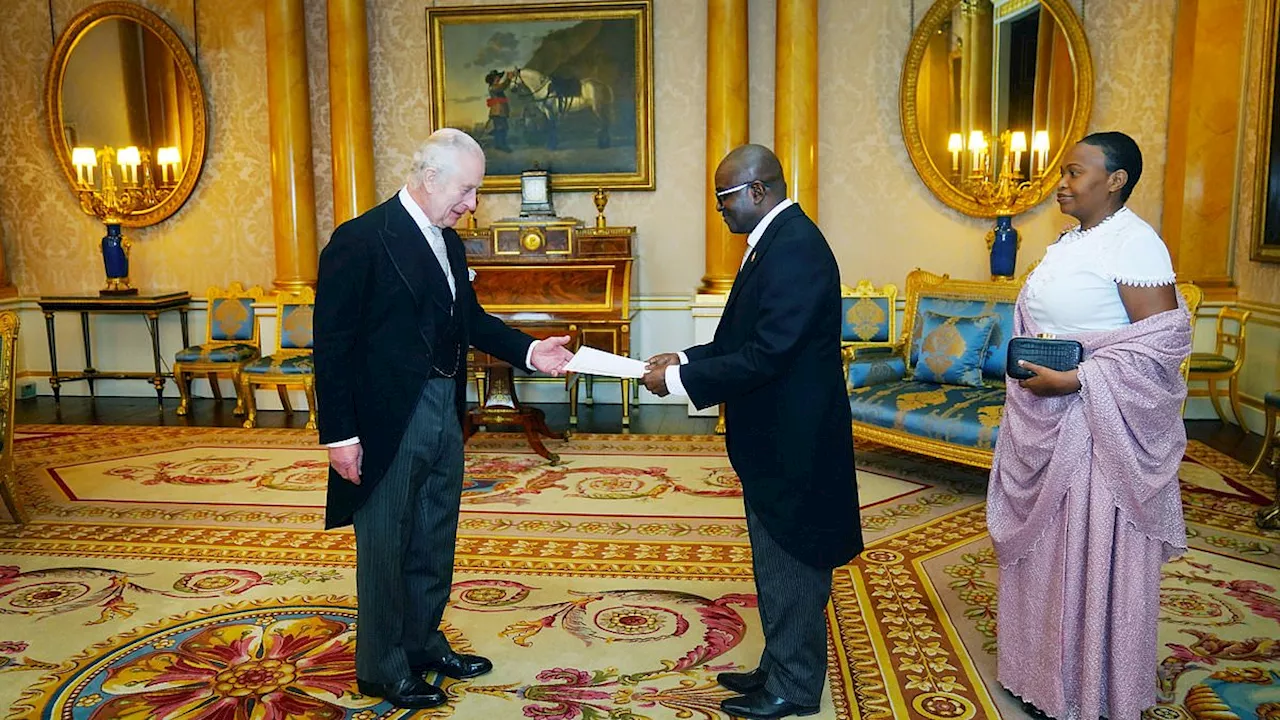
149, 305
555, 277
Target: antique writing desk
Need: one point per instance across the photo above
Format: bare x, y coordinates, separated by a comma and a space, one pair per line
149, 305
555, 277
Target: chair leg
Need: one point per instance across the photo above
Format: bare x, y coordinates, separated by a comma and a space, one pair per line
235, 386
1268, 435
250, 407
10, 495
1233, 394
283, 392
184, 390
309, 387
1213, 398
214, 387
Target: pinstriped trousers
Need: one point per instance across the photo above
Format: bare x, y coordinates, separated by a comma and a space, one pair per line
792, 600
405, 536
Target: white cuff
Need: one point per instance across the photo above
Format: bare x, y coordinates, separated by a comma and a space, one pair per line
674, 386
684, 359
344, 443
528, 356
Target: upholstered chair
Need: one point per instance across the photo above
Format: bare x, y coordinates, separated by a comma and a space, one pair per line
231, 340
291, 365
868, 325
1219, 365
8, 389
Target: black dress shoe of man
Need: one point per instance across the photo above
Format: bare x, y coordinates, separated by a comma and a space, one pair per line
743, 682
411, 692
764, 705
455, 665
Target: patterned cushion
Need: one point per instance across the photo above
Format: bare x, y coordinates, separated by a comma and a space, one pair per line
866, 319
231, 319
873, 370
998, 346
1208, 362
272, 365
217, 353
295, 328
950, 413
952, 349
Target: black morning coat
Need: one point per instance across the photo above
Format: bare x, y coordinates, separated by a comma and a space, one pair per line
381, 301
775, 364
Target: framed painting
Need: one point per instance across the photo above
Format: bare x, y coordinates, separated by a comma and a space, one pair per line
1266, 225
563, 87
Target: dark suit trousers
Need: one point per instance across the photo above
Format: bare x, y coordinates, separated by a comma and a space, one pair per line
792, 599
405, 536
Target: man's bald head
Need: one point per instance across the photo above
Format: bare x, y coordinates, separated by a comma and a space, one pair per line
749, 184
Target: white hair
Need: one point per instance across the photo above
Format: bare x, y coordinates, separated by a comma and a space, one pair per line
440, 152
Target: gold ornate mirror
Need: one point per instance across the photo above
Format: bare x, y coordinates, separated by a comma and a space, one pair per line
992, 94
126, 114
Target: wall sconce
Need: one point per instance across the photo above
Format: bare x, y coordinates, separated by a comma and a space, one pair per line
110, 201
1001, 190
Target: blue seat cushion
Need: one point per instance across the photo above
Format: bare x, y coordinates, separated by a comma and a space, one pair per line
291, 365
997, 345
952, 349
967, 416
1272, 399
217, 353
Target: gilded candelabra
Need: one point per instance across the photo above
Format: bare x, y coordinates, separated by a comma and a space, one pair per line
111, 201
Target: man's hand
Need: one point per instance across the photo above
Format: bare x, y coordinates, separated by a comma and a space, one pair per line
1049, 383
347, 460
550, 356
656, 379
662, 360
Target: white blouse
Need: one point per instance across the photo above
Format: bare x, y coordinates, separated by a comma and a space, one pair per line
1075, 289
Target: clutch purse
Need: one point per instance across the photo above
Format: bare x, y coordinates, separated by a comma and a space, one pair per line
1052, 353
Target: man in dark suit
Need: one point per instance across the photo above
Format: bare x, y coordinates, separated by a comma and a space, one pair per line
395, 314
775, 364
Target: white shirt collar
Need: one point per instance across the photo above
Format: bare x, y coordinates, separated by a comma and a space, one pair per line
758, 231
419, 217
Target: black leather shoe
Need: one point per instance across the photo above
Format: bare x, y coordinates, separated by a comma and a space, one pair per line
455, 665
764, 705
410, 692
743, 682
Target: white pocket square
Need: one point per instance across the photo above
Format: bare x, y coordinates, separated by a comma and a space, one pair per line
471, 275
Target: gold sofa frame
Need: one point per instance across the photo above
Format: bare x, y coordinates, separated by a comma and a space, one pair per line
8, 389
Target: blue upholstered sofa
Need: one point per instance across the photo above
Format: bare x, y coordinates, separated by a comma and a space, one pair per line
938, 388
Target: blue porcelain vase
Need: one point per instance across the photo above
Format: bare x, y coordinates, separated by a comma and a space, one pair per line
115, 260
1004, 247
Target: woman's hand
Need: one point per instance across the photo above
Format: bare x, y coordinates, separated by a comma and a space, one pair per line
1049, 383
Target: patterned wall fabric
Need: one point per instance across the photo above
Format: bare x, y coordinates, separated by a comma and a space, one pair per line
873, 208
952, 348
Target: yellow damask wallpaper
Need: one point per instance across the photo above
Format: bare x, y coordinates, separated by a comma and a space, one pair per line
878, 215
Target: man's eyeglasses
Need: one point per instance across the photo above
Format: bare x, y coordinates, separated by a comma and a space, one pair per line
735, 188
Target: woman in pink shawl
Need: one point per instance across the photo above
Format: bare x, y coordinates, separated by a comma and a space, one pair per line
1083, 504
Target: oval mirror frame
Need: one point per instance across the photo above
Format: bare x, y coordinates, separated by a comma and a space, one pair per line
935, 179
81, 24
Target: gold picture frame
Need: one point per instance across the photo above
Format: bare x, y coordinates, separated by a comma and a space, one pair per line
1265, 245
567, 87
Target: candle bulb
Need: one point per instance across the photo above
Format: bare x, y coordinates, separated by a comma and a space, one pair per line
84, 158
128, 159
978, 146
1040, 150
955, 144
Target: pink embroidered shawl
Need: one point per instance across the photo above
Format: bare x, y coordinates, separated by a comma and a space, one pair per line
1123, 430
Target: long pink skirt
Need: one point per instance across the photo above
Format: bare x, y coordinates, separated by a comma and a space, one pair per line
1077, 615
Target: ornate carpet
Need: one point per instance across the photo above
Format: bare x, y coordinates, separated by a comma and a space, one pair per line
182, 572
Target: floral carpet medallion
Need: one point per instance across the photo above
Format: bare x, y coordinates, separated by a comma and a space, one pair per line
182, 573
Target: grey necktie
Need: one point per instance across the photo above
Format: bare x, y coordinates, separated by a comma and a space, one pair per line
435, 238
